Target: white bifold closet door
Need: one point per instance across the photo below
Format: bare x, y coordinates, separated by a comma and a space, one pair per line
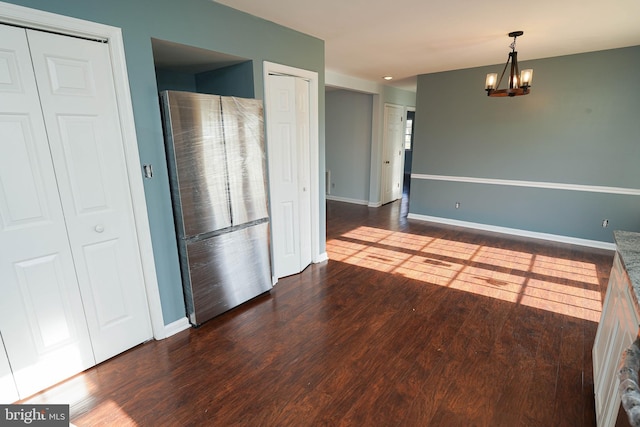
70, 271
288, 120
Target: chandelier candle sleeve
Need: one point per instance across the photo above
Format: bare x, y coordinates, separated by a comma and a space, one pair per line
526, 76
492, 78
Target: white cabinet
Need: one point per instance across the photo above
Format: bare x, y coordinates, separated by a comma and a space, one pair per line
617, 330
70, 271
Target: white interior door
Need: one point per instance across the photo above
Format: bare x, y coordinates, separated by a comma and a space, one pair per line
287, 115
393, 150
41, 312
8, 390
81, 116
304, 174
70, 271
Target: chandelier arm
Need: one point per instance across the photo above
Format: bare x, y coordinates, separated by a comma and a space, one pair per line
514, 70
514, 65
502, 75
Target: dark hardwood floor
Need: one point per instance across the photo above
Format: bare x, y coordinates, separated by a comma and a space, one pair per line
408, 324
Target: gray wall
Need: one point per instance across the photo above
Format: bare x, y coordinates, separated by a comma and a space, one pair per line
348, 144
202, 24
580, 125
392, 95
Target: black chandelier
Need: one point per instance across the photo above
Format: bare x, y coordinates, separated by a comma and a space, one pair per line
519, 82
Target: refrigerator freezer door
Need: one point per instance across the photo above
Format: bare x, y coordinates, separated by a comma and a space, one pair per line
227, 270
244, 142
197, 164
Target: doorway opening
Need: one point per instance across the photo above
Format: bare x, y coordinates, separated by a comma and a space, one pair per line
408, 158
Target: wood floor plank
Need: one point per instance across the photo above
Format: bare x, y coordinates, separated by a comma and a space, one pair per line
570, 405
540, 400
573, 348
409, 323
439, 378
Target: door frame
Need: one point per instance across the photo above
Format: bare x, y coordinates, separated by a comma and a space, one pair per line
404, 157
384, 176
36, 19
314, 161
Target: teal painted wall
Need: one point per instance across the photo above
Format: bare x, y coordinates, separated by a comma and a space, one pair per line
579, 125
235, 80
348, 143
203, 24
173, 80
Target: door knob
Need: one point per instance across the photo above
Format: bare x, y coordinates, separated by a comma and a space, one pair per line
99, 228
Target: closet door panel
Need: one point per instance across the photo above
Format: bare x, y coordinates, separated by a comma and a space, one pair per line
79, 106
8, 390
85, 164
41, 312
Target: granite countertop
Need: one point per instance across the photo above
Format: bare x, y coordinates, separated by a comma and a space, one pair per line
628, 246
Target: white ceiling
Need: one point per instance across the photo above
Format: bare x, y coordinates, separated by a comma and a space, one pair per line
369, 39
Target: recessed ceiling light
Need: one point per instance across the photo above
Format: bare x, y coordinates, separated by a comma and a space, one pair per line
388, 77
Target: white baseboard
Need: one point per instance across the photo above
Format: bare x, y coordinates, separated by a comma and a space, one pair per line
354, 201
347, 200
321, 258
177, 326
517, 232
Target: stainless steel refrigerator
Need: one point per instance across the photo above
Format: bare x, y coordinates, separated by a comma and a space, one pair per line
216, 161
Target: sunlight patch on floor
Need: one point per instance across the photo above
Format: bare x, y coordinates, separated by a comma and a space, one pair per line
563, 286
566, 269
79, 391
108, 410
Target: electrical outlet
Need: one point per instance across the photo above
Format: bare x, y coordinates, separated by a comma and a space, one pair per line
605, 223
457, 205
